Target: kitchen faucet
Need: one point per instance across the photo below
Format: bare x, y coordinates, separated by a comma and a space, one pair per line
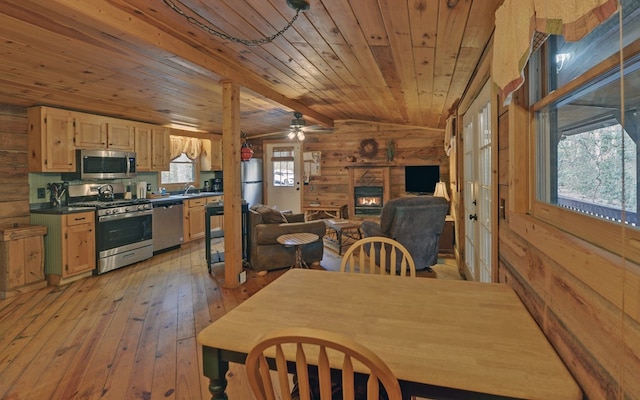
188, 187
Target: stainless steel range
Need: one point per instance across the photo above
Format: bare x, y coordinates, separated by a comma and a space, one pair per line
123, 226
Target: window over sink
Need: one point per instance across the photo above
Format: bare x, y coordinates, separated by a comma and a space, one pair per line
182, 171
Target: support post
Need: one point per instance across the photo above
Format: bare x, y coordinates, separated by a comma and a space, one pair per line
232, 220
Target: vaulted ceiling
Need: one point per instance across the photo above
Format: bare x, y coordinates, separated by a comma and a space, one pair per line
396, 61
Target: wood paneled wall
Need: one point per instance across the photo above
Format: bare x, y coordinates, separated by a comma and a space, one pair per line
585, 299
14, 175
341, 150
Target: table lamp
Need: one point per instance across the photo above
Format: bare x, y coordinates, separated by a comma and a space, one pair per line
441, 190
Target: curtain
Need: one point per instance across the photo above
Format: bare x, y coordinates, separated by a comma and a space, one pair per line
519, 21
192, 147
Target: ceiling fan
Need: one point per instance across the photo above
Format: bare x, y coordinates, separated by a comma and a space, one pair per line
297, 129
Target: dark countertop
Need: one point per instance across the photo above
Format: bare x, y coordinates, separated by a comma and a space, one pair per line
180, 197
60, 210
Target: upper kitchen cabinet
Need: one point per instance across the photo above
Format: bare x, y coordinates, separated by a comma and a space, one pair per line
120, 135
90, 131
50, 140
211, 156
96, 132
160, 150
152, 147
143, 148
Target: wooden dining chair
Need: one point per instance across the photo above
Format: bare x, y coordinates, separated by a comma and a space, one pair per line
323, 349
378, 254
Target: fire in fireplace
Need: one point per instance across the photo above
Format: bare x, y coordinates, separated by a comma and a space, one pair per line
368, 200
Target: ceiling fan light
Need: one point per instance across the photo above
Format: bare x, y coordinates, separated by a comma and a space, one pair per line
291, 135
301, 136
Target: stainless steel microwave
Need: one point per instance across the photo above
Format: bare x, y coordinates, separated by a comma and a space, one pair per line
103, 164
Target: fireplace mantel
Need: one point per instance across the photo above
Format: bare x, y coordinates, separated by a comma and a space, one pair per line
372, 165
368, 175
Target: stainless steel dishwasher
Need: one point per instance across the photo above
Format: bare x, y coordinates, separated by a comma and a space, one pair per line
167, 224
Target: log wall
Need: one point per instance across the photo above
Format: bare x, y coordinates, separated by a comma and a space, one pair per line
14, 175
585, 299
341, 151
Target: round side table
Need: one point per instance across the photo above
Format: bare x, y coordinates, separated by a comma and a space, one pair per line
297, 240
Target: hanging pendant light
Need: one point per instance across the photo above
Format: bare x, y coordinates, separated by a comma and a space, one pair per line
202, 23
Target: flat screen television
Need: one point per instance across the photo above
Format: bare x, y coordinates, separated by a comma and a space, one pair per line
421, 179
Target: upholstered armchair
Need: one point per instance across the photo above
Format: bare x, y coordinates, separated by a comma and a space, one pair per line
266, 224
416, 222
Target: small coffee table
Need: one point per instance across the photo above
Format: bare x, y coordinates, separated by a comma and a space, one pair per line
298, 240
340, 229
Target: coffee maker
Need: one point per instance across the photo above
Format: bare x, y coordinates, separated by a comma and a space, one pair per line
216, 185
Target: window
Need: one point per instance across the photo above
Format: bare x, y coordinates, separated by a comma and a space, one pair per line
283, 166
586, 132
182, 171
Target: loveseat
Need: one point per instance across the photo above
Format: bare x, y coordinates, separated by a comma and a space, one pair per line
416, 222
266, 224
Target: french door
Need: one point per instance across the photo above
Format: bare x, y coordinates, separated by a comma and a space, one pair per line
477, 136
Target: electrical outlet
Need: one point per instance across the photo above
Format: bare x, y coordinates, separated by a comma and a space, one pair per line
41, 193
243, 276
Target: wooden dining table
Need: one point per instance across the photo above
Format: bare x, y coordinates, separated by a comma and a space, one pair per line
441, 338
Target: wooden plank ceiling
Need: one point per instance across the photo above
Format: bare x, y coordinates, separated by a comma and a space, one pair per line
394, 61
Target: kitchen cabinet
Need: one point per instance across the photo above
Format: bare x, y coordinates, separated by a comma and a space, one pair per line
120, 135
217, 221
152, 147
142, 137
50, 140
22, 255
193, 224
70, 249
97, 132
194, 218
211, 156
160, 149
90, 131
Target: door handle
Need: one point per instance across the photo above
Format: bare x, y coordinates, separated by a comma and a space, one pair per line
473, 217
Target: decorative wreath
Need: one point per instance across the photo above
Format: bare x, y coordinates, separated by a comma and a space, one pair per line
368, 148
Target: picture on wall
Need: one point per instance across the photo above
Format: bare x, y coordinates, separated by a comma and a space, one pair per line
311, 164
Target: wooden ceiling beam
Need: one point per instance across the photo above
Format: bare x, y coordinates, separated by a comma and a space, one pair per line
118, 24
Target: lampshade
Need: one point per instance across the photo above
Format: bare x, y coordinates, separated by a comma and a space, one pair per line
441, 190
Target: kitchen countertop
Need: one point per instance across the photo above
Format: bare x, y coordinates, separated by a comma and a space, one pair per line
60, 210
175, 197
46, 208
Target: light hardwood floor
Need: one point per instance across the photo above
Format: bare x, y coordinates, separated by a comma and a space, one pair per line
127, 334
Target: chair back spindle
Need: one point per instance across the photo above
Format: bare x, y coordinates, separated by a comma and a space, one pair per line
378, 254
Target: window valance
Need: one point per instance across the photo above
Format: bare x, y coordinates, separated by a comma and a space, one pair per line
519, 22
192, 147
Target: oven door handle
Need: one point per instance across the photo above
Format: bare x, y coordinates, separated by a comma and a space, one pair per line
125, 215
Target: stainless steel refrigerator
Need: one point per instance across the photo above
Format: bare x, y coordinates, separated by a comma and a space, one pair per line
251, 178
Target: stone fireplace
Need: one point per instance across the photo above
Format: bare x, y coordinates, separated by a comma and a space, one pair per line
369, 190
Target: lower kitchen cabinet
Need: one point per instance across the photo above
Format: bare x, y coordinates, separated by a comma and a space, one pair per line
22, 255
217, 221
70, 249
194, 217
193, 210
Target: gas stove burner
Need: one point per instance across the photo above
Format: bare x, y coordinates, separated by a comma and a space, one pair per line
110, 203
